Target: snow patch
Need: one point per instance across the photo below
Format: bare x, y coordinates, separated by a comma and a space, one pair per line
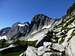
1, 49
38, 35
47, 44
3, 37
21, 25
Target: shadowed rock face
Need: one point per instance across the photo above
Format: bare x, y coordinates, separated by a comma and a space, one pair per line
39, 21
4, 31
18, 29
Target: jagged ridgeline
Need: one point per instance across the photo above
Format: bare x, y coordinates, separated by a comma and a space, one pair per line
71, 10
44, 36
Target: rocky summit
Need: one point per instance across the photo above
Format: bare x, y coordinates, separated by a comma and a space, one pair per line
44, 36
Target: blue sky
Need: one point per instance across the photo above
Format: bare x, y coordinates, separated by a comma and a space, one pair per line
12, 11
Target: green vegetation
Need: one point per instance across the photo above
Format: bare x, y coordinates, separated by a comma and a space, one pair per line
3, 43
73, 34
69, 22
66, 29
58, 26
16, 52
30, 43
62, 40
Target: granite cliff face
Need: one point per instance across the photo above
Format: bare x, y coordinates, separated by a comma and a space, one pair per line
44, 36
18, 29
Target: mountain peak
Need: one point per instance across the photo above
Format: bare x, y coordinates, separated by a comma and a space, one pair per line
40, 16
39, 21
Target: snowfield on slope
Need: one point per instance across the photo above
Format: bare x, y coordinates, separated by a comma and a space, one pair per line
38, 35
3, 37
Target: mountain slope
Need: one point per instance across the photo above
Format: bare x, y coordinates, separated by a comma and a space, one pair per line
42, 37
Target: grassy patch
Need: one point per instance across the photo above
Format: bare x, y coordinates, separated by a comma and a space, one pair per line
3, 43
62, 40
30, 43
73, 34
